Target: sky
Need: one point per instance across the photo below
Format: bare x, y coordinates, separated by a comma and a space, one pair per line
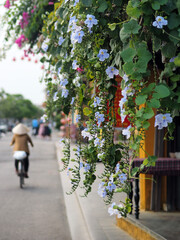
21, 76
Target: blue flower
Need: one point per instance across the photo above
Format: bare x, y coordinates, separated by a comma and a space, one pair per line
80, 165
55, 97
78, 117
102, 190
126, 132
59, 70
78, 36
103, 55
125, 78
87, 167
63, 82
72, 101
90, 21
74, 65
100, 118
162, 120
117, 167
76, 1
64, 93
111, 71
112, 210
97, 101
123, 115
111, 186
85, 133
172, 59
72, 52
160, 21
122, 177
78, 151
44, 47
97, 142
61, 40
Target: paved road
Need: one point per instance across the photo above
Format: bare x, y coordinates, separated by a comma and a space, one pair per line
38, 211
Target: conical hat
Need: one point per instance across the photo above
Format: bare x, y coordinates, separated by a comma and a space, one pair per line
20, 129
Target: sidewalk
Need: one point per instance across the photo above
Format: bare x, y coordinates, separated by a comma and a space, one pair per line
88, 217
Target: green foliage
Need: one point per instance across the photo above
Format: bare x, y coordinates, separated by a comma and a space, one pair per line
16, 107
145, 56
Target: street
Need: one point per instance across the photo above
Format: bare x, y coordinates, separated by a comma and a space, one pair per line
36, 212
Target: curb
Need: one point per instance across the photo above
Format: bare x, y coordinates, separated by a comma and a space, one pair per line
77, 222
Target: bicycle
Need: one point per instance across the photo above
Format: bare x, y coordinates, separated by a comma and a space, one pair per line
21, 172
20, 156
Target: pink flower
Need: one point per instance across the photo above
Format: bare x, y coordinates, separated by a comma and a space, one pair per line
25, 53
80, 70
25, 20
50, 3
21, 40
7, 4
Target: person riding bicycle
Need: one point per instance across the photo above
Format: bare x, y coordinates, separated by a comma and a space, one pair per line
20, 140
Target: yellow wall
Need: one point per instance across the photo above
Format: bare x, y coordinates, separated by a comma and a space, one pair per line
145, 179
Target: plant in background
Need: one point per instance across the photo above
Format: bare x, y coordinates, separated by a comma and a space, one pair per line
86, 45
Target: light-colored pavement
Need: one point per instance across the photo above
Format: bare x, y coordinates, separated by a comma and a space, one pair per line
88, 216
38, 211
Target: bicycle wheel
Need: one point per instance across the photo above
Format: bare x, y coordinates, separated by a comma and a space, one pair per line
21, 174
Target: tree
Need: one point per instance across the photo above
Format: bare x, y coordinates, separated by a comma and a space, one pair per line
15, 106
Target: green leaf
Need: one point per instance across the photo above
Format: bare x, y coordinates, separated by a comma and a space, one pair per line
117, 58
146, 125
156, 6
177, 61
152, 160
145, 162
173, 21
134, 171
141, 99
132, 27
178, 6
149, 113
103, 6
135, 3
87, 111
133, 11
148, 89
157, 44
128, 68
113, 44
140, 112
138, 123
112, 26
87, 3
143, 53
169, 50
175, 78
123, 35
162, 91
154, 103
140, 66
128, 54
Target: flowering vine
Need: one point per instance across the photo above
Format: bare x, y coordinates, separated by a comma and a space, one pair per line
87, 45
